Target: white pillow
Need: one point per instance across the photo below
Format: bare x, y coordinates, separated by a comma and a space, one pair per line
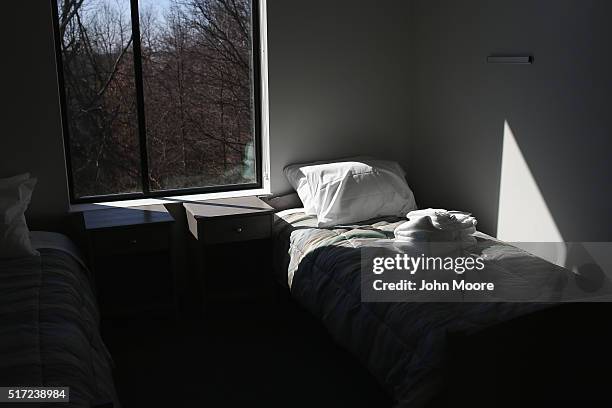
15, 195
351, 190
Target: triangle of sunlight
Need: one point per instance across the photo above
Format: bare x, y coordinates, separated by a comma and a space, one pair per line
524, 217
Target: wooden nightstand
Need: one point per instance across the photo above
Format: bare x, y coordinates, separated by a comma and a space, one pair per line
130, 252
230, 239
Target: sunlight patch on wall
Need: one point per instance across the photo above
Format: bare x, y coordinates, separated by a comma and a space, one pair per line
524, 217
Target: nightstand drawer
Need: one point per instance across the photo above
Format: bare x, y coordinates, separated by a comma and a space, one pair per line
234, 229
131, 240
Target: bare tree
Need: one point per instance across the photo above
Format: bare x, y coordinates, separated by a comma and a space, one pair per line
197, 74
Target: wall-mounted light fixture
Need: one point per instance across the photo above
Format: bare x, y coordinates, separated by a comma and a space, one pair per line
510, 59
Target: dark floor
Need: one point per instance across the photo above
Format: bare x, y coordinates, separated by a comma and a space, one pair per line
275, 354
269, 354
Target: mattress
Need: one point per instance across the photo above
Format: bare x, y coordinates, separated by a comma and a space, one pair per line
404, 345
49, 324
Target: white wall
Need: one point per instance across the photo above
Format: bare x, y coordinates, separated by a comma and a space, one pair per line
338, 87
558, 110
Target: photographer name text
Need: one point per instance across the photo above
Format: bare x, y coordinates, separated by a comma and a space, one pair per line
433, 286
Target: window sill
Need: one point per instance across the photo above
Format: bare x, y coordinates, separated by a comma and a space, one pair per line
167, 200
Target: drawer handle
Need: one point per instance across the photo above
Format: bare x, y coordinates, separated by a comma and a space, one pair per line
239, 230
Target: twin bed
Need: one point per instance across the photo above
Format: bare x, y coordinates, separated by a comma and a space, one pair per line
404, 345
49, 334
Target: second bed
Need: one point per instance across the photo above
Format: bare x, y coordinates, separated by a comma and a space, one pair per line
404, 345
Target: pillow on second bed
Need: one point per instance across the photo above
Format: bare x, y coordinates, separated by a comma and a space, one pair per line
15, 195
351, 190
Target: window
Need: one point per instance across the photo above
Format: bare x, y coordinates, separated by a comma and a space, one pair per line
159, 97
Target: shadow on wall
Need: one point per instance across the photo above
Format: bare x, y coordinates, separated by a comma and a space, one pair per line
523, 214
524, 218
557, 141
522, 211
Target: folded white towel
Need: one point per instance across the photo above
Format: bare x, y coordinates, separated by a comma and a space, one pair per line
442, 219
437, 225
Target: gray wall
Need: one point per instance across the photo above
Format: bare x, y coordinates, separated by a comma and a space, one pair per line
337, 86
338, 81
31, 139
558, 108
404, 82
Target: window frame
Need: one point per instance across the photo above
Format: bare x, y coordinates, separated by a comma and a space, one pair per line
260, 111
